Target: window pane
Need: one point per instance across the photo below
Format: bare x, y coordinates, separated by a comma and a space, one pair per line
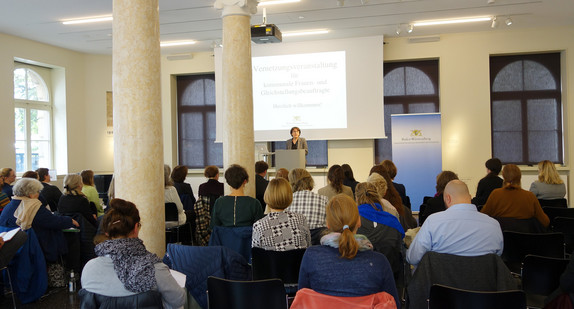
509, 78
20, 84
542, 115
418, 82
193, 154
422, 108
191, 125
537, 77
37, 90
507, 146
21, 165
543, 145
20, 123
214, 153
506, 116
210, 88
194, 94
40, 125
394, 83
40, 154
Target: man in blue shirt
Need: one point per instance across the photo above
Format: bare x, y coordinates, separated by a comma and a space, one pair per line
460, 230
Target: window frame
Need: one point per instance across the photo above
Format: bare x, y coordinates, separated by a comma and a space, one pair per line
28, 105
552, 62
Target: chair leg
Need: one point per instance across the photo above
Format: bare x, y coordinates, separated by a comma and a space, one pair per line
11, 286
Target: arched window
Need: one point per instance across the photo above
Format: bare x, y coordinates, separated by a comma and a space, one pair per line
33, 117
526, 109
410, 87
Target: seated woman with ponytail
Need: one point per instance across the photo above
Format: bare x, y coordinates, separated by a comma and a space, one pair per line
124, 267
345, 263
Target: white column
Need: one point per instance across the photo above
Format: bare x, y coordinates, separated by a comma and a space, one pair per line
138, 139
238, 139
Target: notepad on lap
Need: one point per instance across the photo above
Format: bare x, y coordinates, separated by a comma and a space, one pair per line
9, 234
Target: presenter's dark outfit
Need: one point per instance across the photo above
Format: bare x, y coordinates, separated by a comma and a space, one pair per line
300, 144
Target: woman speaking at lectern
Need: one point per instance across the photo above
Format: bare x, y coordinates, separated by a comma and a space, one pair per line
297, 142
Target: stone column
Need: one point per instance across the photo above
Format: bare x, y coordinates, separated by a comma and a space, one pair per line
138, 139
238, 139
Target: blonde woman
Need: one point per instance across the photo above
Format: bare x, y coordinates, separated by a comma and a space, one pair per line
74, 201
549, 185
280, 230
89, 190
381, 186
345, 263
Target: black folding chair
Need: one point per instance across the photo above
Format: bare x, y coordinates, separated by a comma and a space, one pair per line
230, 294
540, 277
284, 265
444, 297
518, 245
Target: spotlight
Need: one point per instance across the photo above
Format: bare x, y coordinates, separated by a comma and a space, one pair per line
340, 3
364, 2
490, 1
508, 21
410, 29
494, 23
398, 30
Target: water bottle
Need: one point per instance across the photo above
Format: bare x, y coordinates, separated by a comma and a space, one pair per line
72, 282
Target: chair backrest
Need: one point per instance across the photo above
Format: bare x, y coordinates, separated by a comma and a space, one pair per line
553, 212
559, 202
518, 245
531, 225
444, 297
145, 300
235, 238
565, 226
260, 294
171, 212
541, 275
267, 264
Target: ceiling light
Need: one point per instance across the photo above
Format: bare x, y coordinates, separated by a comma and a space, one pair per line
301, 33
490, 1
410, 28
451, 21
494, 23
398, 30
94, 19
508, 21
340, 2
273, 2
364, 1
176, 43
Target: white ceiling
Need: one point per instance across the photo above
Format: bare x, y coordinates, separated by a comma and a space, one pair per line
39, 20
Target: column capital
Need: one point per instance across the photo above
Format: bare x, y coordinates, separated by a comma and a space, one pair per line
236, 7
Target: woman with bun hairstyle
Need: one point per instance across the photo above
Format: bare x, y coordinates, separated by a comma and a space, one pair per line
335, 185
74, 201
124, 267
345, 263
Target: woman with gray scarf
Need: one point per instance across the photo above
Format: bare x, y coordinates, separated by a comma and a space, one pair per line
124, 267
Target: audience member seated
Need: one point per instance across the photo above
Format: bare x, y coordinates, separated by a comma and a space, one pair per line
392, 195
236, 209
178, 176
9, 177
89, 190
124, 267
261, 183
74, 201
308, 203
460, 230
171, 196
280, 230
26, 212
349, 179
211, 188
4, 200
381, 186
345, 263
381, 228
490, 182
549, 185
511, 201
50, 193
282, 173
335, 184
392, 170
436, 203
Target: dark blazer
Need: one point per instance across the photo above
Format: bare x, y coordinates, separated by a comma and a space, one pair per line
260, 187
52, 195
301, 144
69, 204
403, 193
185, 188
485, 186
434, 204
211, 188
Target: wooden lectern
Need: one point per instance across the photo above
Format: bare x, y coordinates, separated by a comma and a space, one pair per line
290, 159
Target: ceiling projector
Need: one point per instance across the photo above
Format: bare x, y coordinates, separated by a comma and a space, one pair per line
262, 34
